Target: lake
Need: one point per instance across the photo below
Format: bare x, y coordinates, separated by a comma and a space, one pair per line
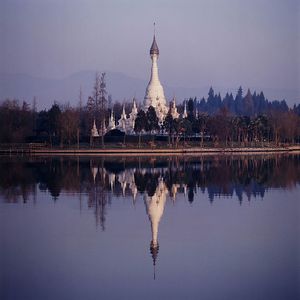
205, 227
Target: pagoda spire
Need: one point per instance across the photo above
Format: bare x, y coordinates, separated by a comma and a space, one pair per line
154, 253
184, 115
154, 48
94, 130
123, 115
155, 93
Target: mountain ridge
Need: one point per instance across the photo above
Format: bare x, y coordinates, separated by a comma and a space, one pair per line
121, 86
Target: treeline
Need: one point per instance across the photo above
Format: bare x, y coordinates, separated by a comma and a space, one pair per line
275, 126
249, 105
241, 119
248, 175
61, 124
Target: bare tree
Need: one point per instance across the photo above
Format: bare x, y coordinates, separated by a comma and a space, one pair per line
80, 98
96, 91
102, 104
69, 122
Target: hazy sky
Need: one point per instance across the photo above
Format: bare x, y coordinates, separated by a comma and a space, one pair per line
206, 42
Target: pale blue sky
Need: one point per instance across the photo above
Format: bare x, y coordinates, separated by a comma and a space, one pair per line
206, 42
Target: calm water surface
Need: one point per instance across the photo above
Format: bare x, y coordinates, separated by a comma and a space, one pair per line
150, 228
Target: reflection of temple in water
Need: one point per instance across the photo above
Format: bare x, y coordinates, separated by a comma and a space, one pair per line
159, 180
249, 176
155, 205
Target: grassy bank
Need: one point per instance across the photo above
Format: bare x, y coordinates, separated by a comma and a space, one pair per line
150, 149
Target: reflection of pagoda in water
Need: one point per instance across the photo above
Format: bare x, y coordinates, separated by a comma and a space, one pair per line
184, 180
155, 205
238, 176
97, 179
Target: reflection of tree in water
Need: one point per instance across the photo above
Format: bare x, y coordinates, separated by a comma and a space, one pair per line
51, 175
157, 179
146, 182
97, 194
15, 184
214, 175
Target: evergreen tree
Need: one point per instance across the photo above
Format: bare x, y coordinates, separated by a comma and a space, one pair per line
152, 120
202, 123
210, 101
239, 102
169, 125
231, 104
190, 107
248, 107
202, 105
54, 117
211, 93
262, 104
226, 101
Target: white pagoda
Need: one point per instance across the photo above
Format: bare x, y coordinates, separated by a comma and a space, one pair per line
94, 130
126, 124
111, 122
173, 109
155, 93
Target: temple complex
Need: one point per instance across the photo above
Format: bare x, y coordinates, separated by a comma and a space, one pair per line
154, 97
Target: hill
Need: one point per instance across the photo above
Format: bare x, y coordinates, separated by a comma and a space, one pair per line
119, 85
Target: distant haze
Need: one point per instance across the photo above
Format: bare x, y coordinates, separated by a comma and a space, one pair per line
219, 43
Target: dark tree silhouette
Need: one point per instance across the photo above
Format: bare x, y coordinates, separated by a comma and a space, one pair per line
140, 124
152, 120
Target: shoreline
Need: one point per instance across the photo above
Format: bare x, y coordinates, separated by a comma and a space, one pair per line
150, 151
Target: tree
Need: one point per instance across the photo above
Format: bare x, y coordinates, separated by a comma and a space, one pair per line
97, 104
16, 121
96, 93
103, 106
152, 120
117, 107
184, 128
69, 120
80, 98
190, 107
91, 111
276, 124
54, 122
264, 128
211, 93
202, 105
219, 126
169, 126
235, 129
248, 104
239, 102
210, 101
202, 122
140, 123
290, 126
244, 126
